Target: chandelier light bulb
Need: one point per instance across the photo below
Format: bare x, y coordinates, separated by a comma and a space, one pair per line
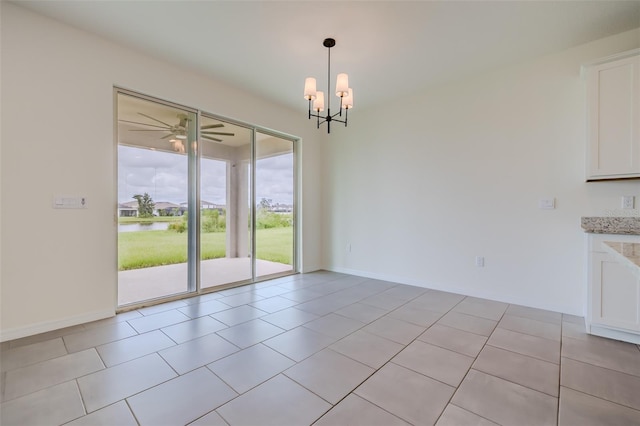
310, 88
342, 85
318, 104
347, 101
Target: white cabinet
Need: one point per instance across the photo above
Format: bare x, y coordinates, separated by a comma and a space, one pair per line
614, 292
613, 117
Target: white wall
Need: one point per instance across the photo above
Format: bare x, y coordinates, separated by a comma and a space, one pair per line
421, 186
59, 267
451, 173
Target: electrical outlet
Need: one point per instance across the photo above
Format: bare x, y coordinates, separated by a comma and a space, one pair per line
480, 261
547, 204
628, 201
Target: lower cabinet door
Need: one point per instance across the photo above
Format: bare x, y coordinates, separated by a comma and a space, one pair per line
615, 293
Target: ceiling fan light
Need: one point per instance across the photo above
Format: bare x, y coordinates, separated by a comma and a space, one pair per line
310, 88
318, 104
181, 136
342, 85
178, 146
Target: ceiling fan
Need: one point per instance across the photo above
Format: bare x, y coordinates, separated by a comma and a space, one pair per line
178, 132
209, 135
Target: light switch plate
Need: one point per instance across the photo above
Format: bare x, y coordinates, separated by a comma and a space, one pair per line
70, 202
628, 201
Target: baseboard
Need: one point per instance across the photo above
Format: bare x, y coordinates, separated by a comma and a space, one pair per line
458, 290
43, 327
613, 333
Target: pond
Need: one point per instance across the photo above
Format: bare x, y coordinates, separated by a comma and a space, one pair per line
150, 226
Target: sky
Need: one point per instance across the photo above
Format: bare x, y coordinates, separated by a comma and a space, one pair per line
163, 176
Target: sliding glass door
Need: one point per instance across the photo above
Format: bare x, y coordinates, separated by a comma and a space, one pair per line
225, 218
153, 192
203, 202
274, 183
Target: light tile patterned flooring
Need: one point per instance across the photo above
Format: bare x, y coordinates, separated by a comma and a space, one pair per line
325, 349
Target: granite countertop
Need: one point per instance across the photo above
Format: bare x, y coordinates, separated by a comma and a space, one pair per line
626, 253
611, 225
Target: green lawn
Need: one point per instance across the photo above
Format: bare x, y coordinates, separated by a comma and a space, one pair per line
154, 248
275, 244
150, 219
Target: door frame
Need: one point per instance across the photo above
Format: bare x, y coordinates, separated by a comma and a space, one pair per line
194, 198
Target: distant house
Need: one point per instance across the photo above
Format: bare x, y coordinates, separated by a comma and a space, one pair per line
281, 208
206, 205
165, 208
128, 209
162, 208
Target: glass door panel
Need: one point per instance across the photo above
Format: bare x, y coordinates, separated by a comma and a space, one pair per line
154, 140
225, 249
274, 186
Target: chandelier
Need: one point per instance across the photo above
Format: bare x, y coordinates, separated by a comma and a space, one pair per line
316, 97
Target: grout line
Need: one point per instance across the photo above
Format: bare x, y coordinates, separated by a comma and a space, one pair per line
596, 365
602, 367
526, 355
530, 334
516, 383
352, 392
84, 405
130, 410
469, 411
560, 370
475, 358
602, 399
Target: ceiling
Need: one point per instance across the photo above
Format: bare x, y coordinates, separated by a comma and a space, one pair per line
388, 48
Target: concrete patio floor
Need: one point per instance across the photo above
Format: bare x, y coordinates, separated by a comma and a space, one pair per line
161, 281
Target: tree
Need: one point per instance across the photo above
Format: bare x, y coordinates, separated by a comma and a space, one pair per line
265, 204
145, 205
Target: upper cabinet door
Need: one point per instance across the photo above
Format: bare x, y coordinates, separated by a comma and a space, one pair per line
613, 99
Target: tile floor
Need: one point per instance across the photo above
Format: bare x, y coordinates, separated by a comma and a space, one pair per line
325, 349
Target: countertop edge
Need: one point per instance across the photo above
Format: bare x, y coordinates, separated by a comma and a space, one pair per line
611, 225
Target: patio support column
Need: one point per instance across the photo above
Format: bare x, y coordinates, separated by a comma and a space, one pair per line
242, 210
232, 203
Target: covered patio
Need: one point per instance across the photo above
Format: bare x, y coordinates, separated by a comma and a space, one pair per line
161, 281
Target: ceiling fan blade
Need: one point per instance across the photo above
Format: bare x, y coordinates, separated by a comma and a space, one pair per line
211, 126
218, 133
144, 124
168, 136
149, 130
154, 119
212, 139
